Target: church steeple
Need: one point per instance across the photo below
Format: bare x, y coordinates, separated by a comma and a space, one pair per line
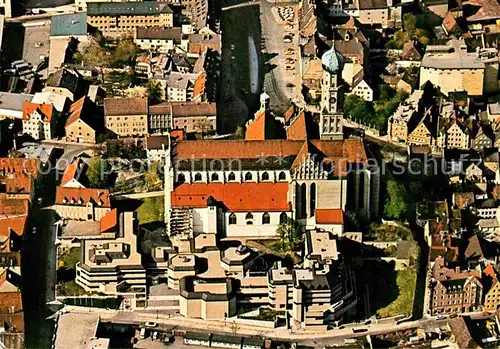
331, 118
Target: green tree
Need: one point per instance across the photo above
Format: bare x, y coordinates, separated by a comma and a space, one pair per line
409, 22
124, 53
396, 203
93, 53
98, 173
154, 91
290, 232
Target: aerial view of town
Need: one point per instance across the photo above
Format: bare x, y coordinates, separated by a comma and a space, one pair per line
249, 174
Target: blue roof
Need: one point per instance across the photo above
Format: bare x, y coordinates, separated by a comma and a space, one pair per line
332, 61
70, 24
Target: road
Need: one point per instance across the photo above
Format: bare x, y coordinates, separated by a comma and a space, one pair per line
302, 336
39, 267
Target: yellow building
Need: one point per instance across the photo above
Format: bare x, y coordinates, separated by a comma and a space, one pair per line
126, 116
123, 18
454, 135
421, 134
492, 296
81, 127
452, 68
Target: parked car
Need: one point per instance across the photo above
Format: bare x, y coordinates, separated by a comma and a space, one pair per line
155, 335
151, 324
287, 40
143, 333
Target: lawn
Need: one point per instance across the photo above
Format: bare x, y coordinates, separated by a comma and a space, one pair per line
69, 259
70, 288
151, 210
403, 304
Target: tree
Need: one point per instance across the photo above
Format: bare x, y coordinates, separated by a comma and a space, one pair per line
124, 53
93, 53
290, 232
98, 173
154, 91
152, 177
409, 22
396, 203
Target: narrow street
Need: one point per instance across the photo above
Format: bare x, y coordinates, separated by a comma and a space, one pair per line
38, 260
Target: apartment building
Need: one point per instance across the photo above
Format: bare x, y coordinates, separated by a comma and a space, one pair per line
185, 87
126, 117
83, 123
162, 40
123, 18
192, 117
452, 68
65, 82
382, 13
114, 266
39, 121
454, 134
454, 290
492, 289
12, 105
86, 204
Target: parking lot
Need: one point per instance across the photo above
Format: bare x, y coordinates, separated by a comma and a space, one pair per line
281, 40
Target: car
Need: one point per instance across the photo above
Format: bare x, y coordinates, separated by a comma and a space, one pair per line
359, 330
143, 333
151, 324
442, 316
287, 40
33, 231
155, 335
289, 60
289, 67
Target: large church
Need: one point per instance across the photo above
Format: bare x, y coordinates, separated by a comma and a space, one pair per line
246, 188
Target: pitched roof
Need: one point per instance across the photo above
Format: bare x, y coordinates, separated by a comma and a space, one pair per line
147, 8
82, 196
449, 22
72, 171
297, 131
11, 300
350, 149
45, 110
14, 224
109, 221
329, 216
490, 9
461, 333
17, 165
64, 78
174, 33
257, 128
157, 142
80, 110
237, 197
125, 106
372, 4
19, 183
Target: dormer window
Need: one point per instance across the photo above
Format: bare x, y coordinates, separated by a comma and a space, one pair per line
248, 176
197, 177
65, 200
231, 176
265, 176
249, 218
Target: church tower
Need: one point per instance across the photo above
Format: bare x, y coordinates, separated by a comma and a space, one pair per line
331, 118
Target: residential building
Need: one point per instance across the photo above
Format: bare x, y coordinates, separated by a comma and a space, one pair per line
114, 266
126, 117
454, 290
64, 82
383, 13
59, 101
185, 87
200, 42
72, 176
39, 121
87, 204
12, 105
162, 40
452, 68
156, 148
199, 9
421, 131
68, 26
192, 117
411, 51
83, 124
397, 125
122, 18
483, 139
361, 88
453, 134
492, 289
493, 111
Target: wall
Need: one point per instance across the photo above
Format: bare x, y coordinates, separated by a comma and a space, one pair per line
127, 125
255, 229
80, 212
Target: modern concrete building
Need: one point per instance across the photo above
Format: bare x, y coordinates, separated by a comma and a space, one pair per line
114, 266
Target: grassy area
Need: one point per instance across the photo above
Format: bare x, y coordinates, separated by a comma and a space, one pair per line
70, 258
152, 210
386, 232
70, 288
403, 304
268, 314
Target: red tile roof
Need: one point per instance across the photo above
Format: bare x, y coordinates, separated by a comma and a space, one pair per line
72, 171
297, 131
13, 206
237, 197
125, 106
45, 109
16, 165
65, 195
19, 183
14, 224
329, 216
10, 300
351, 149
256, 129
109, 221
178, 134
